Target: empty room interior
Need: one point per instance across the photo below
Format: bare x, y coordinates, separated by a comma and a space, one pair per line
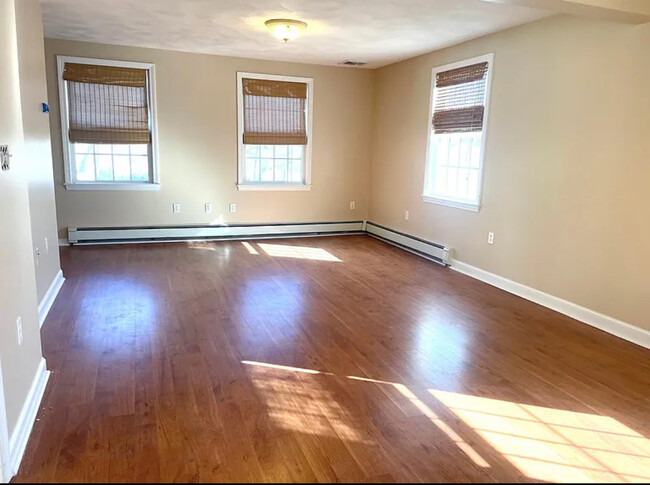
325, 241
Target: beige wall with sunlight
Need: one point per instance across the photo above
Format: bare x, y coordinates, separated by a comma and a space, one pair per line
567, 163
197, 130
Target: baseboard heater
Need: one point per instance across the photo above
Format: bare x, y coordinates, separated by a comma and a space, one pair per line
427, 249
120, 235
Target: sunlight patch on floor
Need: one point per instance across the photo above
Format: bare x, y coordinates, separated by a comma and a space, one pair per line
433, 417
298, 252
296, 399
553, 444
250, 247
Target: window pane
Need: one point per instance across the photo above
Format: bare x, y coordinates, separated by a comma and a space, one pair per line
139, 149
280, 171
463, 182
252, 150
83, 148
476, 151
281, 151
122, 165
104, 167
465, 145
295, 151
296, 171
85, 167
267, 151
267, 170
251, 164
454, 151
120, 150
140, 169
102, 148
472, 185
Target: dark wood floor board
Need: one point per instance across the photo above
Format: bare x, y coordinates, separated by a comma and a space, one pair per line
321, 360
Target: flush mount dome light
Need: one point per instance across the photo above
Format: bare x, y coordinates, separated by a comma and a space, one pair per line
285, 29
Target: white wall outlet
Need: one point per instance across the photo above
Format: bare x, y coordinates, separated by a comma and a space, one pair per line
176, 208
47, 246
353, 205
208, 207
490, 238
232, 207
19, 330
406, 215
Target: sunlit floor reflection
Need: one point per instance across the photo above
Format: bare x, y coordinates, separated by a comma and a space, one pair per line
297, 400
250, 247
552, 444
299, 252
433, 417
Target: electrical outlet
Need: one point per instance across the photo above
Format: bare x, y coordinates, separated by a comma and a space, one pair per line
38, 256
406, 215
208, 207
176, 208
19, 330
490, 238
47, 246
353, 205
232, 207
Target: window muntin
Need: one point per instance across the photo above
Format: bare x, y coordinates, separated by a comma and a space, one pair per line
459, 105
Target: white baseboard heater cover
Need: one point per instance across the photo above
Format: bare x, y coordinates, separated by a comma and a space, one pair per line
430, 250
107, 235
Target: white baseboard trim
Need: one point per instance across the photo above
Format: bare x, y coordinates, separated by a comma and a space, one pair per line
63, 242
21, 432
605, 323
48, 300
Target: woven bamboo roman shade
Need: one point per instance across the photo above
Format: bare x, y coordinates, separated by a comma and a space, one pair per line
107, 104
274, 112
460, 99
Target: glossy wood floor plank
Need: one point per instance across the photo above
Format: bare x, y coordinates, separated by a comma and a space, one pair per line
335, 359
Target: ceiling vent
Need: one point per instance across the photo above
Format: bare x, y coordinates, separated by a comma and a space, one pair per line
352, 63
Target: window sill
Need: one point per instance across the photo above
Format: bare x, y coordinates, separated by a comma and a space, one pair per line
112, 186
276, 187
452, 203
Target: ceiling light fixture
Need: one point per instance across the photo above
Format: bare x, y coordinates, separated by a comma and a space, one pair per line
285, 29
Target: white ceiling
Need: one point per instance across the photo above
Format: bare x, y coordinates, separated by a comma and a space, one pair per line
377, 31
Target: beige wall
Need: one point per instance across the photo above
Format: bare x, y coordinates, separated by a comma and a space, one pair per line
567, 165
17, 283
197, 130
38, 147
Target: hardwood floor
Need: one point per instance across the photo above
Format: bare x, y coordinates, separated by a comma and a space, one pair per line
323, 359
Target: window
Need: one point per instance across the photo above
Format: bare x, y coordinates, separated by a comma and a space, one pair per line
274, 114
459, 106
107, 124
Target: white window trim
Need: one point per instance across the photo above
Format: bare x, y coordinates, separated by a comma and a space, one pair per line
68, 167
450, 202
277, 186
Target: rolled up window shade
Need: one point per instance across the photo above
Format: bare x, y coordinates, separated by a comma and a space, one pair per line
274, 112
107, 104
460, 99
